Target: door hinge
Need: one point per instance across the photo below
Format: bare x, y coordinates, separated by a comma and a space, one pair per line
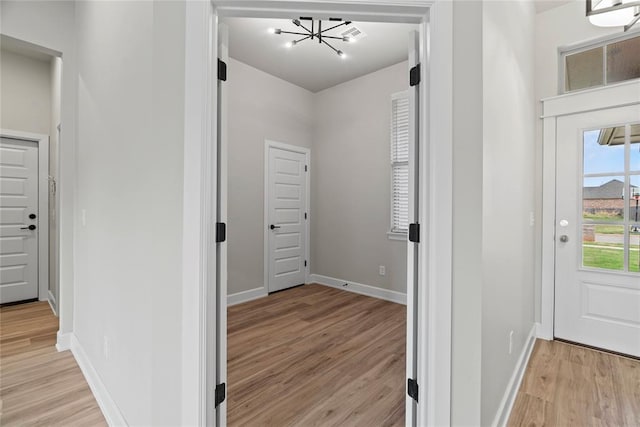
414, 76
305, 215
220, 394
221, 232
305, 262
222, 70
305, 168
412, 389
414, 232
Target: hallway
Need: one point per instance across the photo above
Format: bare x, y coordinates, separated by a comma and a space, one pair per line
38, 384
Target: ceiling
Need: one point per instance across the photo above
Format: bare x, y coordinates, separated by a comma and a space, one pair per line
310, 65
544, 5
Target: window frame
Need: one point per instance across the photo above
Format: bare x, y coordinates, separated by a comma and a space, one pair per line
600, 42
393, 233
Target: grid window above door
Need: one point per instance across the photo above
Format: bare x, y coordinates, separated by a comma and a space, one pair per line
400, 163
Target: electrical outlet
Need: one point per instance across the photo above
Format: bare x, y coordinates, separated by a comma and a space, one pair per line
382, 270
532, 219
510, 342
83, 217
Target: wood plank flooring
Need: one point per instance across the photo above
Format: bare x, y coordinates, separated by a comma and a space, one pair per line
38, 385
568, 385
315, 355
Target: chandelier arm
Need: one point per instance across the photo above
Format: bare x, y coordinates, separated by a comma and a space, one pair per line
335, 26
333, 37
333, 48
306, 29
302, 39
632, 23
294, 33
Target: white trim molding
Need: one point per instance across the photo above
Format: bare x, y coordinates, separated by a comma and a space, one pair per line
246, 296
506, 405
43, 206
63, 341
109, 409
359, 288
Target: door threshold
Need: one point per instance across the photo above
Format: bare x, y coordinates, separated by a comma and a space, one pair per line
24, 301
286, 289
601, 350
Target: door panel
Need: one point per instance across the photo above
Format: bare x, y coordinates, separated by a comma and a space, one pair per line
286, 212
597, 242
18, 200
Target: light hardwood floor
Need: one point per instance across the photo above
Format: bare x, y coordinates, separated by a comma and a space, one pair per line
568, 385
315, 355
38, 385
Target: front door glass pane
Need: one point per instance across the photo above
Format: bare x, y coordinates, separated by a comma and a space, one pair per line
604, 151
611, 199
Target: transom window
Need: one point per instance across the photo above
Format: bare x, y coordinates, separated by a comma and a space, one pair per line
600, 63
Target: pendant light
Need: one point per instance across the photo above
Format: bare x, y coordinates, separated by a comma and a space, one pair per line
613, 13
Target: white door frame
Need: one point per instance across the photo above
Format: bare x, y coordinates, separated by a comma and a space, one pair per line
620, 95
43, 205
295, 149
436, 183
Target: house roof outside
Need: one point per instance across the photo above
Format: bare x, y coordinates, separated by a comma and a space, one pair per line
613, 189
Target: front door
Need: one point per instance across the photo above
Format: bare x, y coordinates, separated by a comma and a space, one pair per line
287, 216
18, 220
597, 284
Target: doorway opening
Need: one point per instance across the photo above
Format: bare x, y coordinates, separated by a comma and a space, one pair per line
31, 101
330, 147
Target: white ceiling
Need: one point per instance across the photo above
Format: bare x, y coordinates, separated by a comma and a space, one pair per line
310, 65
544, 5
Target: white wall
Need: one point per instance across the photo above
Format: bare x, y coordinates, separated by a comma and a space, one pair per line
351, 182
260, 106
25, 85
129, 186
508, 193
466, 319
561, 26
50, 27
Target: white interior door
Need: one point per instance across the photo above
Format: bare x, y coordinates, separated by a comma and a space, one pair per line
286, 216
18, 220
597, 285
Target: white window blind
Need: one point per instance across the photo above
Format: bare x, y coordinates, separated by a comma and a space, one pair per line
399, 162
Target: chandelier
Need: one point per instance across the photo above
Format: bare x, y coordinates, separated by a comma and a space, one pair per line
613, 13
315, 32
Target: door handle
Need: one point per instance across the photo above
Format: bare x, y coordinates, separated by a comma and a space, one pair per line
31, 227
273, 227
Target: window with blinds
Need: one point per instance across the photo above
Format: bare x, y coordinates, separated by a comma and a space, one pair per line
399, 162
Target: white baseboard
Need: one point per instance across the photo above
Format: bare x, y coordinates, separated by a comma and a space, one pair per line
245, 296
64, 341
359, 288
506, 405
109, 409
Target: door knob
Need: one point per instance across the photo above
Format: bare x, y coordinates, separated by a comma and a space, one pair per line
273, 227
31, 227
564, 238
